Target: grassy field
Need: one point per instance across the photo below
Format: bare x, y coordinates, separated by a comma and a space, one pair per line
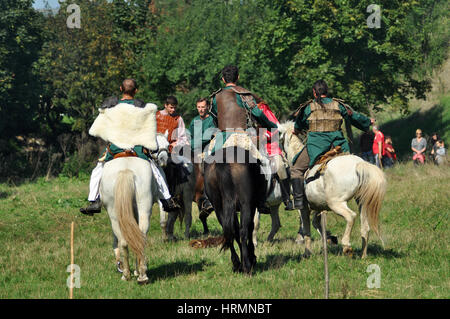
35, 223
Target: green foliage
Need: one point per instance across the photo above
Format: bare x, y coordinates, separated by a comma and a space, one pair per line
54, 78
20, 41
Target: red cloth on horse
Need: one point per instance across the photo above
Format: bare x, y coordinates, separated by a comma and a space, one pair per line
272, 147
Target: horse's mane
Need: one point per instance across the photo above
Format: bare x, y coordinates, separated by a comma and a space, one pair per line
292, 144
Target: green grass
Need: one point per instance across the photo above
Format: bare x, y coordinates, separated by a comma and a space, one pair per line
35, 223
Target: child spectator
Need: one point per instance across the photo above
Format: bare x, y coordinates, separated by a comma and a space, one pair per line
441, 153
390, 157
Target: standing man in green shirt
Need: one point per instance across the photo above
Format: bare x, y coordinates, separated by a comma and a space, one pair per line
201, 129
322, 118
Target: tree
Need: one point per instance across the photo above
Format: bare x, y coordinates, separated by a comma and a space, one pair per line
20, 42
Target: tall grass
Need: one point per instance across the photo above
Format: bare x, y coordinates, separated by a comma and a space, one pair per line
35, 223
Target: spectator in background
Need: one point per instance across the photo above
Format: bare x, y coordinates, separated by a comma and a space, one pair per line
441, 153
391, 157
418, 146
433, 141
365, 144
378, 146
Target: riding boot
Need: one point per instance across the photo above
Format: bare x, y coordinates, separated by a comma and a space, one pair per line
285, 185
298, 189
169, 205
93, 208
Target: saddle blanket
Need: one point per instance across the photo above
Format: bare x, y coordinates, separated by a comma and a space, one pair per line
242, 140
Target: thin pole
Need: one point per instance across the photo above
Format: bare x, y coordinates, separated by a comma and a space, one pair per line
71, 260
323, 220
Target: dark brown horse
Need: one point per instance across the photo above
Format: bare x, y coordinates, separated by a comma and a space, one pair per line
234, 185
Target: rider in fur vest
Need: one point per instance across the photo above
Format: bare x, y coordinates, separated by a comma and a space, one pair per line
129, 90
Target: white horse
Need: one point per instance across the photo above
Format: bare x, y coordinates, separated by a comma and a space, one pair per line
128, 190
345, 177
274, 201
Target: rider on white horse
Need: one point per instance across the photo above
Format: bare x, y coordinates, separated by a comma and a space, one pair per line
322, 118
129, 90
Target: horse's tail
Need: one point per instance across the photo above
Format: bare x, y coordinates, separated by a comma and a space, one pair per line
124, 194
372, 188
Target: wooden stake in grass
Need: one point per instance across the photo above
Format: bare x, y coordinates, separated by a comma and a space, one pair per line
323, 220
71, 260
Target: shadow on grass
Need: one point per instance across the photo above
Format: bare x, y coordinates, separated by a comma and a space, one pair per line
276, 261
4, 195
175, 269
373, 250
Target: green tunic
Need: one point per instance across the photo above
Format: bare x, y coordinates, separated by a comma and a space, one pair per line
200, 139
115, 150
259, 116
319, 143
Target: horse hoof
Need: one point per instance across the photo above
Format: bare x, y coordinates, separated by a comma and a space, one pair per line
119, 267
348, 251
125, 278
299, 240
306, 254
332, 240
142, 281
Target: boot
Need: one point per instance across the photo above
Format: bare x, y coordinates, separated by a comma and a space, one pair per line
169, 205
94, 207
298, 188
285, 185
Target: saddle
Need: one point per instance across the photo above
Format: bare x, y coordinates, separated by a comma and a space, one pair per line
323, 161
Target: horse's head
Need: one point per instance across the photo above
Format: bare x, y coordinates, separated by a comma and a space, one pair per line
162, 155
290, 142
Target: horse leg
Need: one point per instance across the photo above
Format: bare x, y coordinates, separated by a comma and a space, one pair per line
247, 248
144, 224
187, 199
255, 231
317, 225
163, 220
300, 239
203, 218
342, 209
237, 265
364, 231
276, 224
172, 218
126, 275
306, 231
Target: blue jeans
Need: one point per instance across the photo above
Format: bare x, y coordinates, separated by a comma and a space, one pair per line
368, 157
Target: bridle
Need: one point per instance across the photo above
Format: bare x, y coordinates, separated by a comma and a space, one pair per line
159, 150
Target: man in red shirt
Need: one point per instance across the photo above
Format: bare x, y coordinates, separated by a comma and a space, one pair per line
378, 147
276, 157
